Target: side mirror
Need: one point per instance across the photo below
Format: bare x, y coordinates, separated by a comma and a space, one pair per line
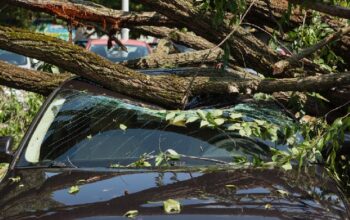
6, 155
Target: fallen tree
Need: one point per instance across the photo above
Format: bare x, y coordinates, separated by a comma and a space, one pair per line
246, 49
165, 90
169, 90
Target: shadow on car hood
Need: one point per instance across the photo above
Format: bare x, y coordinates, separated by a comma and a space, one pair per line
231, 194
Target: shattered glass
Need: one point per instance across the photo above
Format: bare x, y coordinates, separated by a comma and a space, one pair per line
90, 129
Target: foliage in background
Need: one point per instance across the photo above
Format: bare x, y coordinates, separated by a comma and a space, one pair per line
16, 115
15, 16
309, 34
220, 7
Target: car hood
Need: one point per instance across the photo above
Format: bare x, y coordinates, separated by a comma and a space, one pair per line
207, 194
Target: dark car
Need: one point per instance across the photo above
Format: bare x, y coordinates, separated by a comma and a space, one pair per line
94, 154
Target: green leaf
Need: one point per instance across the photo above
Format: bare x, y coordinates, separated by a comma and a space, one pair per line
273, 133
282, 192
260, 122
236, 115
235, 126
287, 166
131, 214
123, 127
268, 206
204, 123
73, 189
179, 118
171, 206
15, 179
159, 159
247, 129
201, 114
231, 186
170, 115
242, 133
192, 119
116, 165
172, 155
318, 96
217, 113
219, 121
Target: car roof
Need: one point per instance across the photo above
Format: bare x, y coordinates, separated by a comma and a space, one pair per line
128, 42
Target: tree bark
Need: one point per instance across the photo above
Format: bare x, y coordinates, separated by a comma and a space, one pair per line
311, 83
177, 59
77, 11
332, 10
30, 80
186, 38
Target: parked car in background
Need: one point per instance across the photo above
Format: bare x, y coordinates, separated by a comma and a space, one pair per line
16, 59
54, 30
91, 153
20, 61
136, 49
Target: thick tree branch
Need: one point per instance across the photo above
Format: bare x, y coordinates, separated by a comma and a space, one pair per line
177, 59
30, 80
311, 83
91, 12
84, 63
186, 38
333, 10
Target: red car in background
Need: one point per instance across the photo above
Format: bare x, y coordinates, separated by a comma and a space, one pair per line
136, 49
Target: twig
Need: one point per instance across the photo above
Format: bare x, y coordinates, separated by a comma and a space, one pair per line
204, 158
337, 108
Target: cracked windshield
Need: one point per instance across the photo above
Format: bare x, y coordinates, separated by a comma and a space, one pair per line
86, 129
